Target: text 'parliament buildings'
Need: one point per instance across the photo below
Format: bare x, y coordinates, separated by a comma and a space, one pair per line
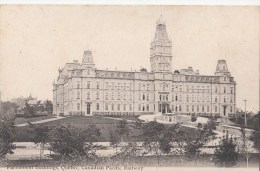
81, 89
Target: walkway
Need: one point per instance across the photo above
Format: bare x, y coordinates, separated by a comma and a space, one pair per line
41, 121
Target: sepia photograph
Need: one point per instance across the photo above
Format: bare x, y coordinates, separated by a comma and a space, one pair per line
129, 87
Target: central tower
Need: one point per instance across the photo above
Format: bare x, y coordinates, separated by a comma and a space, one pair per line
161, 49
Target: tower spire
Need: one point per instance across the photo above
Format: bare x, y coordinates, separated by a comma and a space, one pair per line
161, 49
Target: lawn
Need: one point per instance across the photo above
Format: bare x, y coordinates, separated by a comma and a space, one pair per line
83, 122
20, 120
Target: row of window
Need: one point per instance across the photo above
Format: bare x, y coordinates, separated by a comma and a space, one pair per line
163, 86
162, 97
198, 108
177, 108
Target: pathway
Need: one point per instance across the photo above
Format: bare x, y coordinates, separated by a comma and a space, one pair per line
41, 121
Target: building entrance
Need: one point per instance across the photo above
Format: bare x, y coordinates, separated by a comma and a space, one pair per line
88, 108
164, 108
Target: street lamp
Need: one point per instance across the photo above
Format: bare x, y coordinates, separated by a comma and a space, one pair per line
245, 113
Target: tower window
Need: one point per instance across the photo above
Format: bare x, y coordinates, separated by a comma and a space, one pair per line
88, 85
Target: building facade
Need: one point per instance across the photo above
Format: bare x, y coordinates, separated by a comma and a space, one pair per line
81, 89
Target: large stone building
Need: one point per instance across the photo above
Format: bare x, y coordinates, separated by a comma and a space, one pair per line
81, 89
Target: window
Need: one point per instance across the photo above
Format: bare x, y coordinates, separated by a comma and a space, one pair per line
216, 99
97, 106
147, 97
113, 84
124, 107
180, 88
202, 108
147, 107
78, 85
224, 100
124, 96
192, 108
106, 106
130, 96
112, 96
216, 109
88, 95
176, 98
78, 106
118, 96
231, 109
208, 108
97, 85
112, 106
78, 95
224, 89
180, 108
97, 95
198, 108
143, 97
118, 107
106, 85
231, 90
216, 90
187, 88
106, 96
88, 85
130, 107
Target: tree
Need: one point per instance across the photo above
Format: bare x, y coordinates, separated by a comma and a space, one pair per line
119, 134
48, 106
193, 118
199, 126
192, 146
246, 145
122, 129
8, 110
255, 137
40, 136
114, 139
226, 153
6, 137
211, 124
73, 143
30, 110
152, 134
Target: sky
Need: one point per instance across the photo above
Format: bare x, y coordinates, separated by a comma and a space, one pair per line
35, 40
